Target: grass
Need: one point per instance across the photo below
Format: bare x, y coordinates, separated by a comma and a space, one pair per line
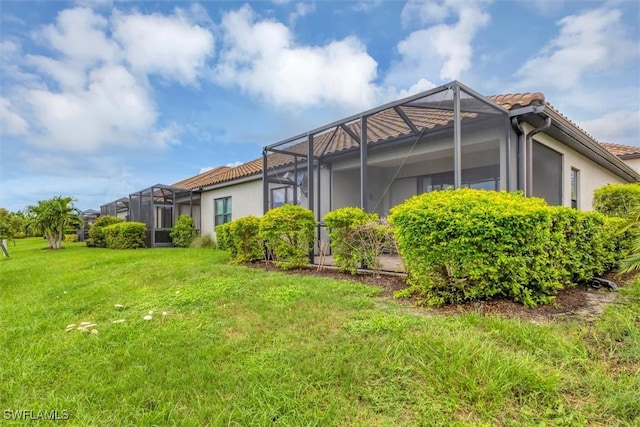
240, 346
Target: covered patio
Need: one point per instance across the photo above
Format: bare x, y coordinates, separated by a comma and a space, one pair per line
450, 136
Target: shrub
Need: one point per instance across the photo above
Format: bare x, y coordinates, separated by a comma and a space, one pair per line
246, 240
203, 242
96, 234
617, 199
346, 243
461, 245
183, 231
125, 235
71, 237
288, 234
224, 240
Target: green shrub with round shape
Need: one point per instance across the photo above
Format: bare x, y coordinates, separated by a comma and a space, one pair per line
183, 232
462, 245
96, 233
125, 235
288, 235
347, 248
617, 199
246, 240
224, 240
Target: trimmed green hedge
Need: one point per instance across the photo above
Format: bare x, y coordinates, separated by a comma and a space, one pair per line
125, 235
96, 234
245, 239
463, 245
223, 239
617, 199
288, 234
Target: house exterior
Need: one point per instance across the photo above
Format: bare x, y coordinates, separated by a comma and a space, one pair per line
627, 153
450, 136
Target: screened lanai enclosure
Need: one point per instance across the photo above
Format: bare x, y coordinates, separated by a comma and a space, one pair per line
159, 207
118, 208
450, 136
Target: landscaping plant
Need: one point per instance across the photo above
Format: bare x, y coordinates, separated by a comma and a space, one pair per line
349, 246
288, 235
183, 232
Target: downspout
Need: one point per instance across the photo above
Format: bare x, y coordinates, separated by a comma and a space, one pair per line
529, 156
517, 127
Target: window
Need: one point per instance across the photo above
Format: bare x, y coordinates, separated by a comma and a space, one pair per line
575, 187
485, 177
281, 196
223, 210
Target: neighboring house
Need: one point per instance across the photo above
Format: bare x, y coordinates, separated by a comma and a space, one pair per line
449, 136
627, 153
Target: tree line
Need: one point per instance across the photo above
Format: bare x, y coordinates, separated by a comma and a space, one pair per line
48, 218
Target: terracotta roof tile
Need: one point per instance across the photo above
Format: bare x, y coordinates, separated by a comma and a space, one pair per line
516, 100
200, 180
382, 126
622, 151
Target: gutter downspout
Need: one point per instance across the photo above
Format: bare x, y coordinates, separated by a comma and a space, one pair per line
522, 164
529, 154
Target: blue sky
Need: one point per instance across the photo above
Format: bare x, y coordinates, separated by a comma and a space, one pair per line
102, 98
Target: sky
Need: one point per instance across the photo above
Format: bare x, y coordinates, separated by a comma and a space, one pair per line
102, 98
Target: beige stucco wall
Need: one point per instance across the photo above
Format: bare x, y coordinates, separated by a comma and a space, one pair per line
246, 199
633, 164
591, 177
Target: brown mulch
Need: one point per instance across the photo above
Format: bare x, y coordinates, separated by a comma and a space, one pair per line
582, 301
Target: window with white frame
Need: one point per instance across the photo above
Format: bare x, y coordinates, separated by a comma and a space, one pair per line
575, 187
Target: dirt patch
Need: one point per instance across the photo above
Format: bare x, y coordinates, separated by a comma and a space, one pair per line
582, 301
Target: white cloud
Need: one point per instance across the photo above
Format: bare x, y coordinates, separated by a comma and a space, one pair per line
206, 169
11, 123
79, 35
234, 164
620, 127
301, 9
170, 46
590, 42
263, 59
92, 89
444, 50
366, 6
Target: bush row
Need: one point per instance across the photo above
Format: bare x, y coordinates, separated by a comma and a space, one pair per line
617, 199
96, 233
357, 239
125, 235
462, 245
284, 234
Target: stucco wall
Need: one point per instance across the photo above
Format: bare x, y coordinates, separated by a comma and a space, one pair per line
246, 199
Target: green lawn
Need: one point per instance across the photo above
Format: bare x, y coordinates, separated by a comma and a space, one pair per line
240, 346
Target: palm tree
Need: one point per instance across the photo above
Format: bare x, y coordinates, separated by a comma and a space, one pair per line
52, 217
632, 262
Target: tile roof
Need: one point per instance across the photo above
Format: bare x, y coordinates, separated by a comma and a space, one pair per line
382, 126
511, 101
200, 180
622, 151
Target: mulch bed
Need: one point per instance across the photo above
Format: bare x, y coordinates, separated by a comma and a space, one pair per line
581, 301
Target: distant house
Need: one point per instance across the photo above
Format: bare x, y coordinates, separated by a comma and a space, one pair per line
450, 136
627, 153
